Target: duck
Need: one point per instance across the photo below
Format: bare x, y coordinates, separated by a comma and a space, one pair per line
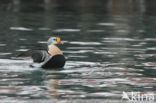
51, 58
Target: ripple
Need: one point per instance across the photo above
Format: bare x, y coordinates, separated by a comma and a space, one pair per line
44, 28
6, 61
21, 28
105, 52
85, 43
146, 55
150, 39
5, 53
80, 48
142, 80
119, 39
106, 24
22, 49
21, 90
103, 94
22, 39
75, 56
42, 42
150, 64
2, 44
79, 51
95, 31
79, 63
121, 69
16, 68
7, 65
152, 48
66, 30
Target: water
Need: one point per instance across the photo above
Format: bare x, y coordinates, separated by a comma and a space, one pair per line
106, 55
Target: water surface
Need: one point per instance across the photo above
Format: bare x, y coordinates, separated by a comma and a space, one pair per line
106, 55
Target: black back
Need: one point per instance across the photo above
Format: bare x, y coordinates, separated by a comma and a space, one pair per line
57, 61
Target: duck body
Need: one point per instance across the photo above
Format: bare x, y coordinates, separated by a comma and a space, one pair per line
56, 61
53, 58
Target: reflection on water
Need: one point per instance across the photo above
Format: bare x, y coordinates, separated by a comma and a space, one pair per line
106, 55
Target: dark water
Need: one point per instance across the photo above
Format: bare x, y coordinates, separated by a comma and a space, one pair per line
106, 55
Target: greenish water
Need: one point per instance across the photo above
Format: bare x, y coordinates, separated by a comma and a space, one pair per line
106, 55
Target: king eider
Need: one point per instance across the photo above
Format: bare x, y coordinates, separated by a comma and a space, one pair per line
52, 58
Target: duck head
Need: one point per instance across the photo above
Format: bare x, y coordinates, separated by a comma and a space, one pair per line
54, 40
